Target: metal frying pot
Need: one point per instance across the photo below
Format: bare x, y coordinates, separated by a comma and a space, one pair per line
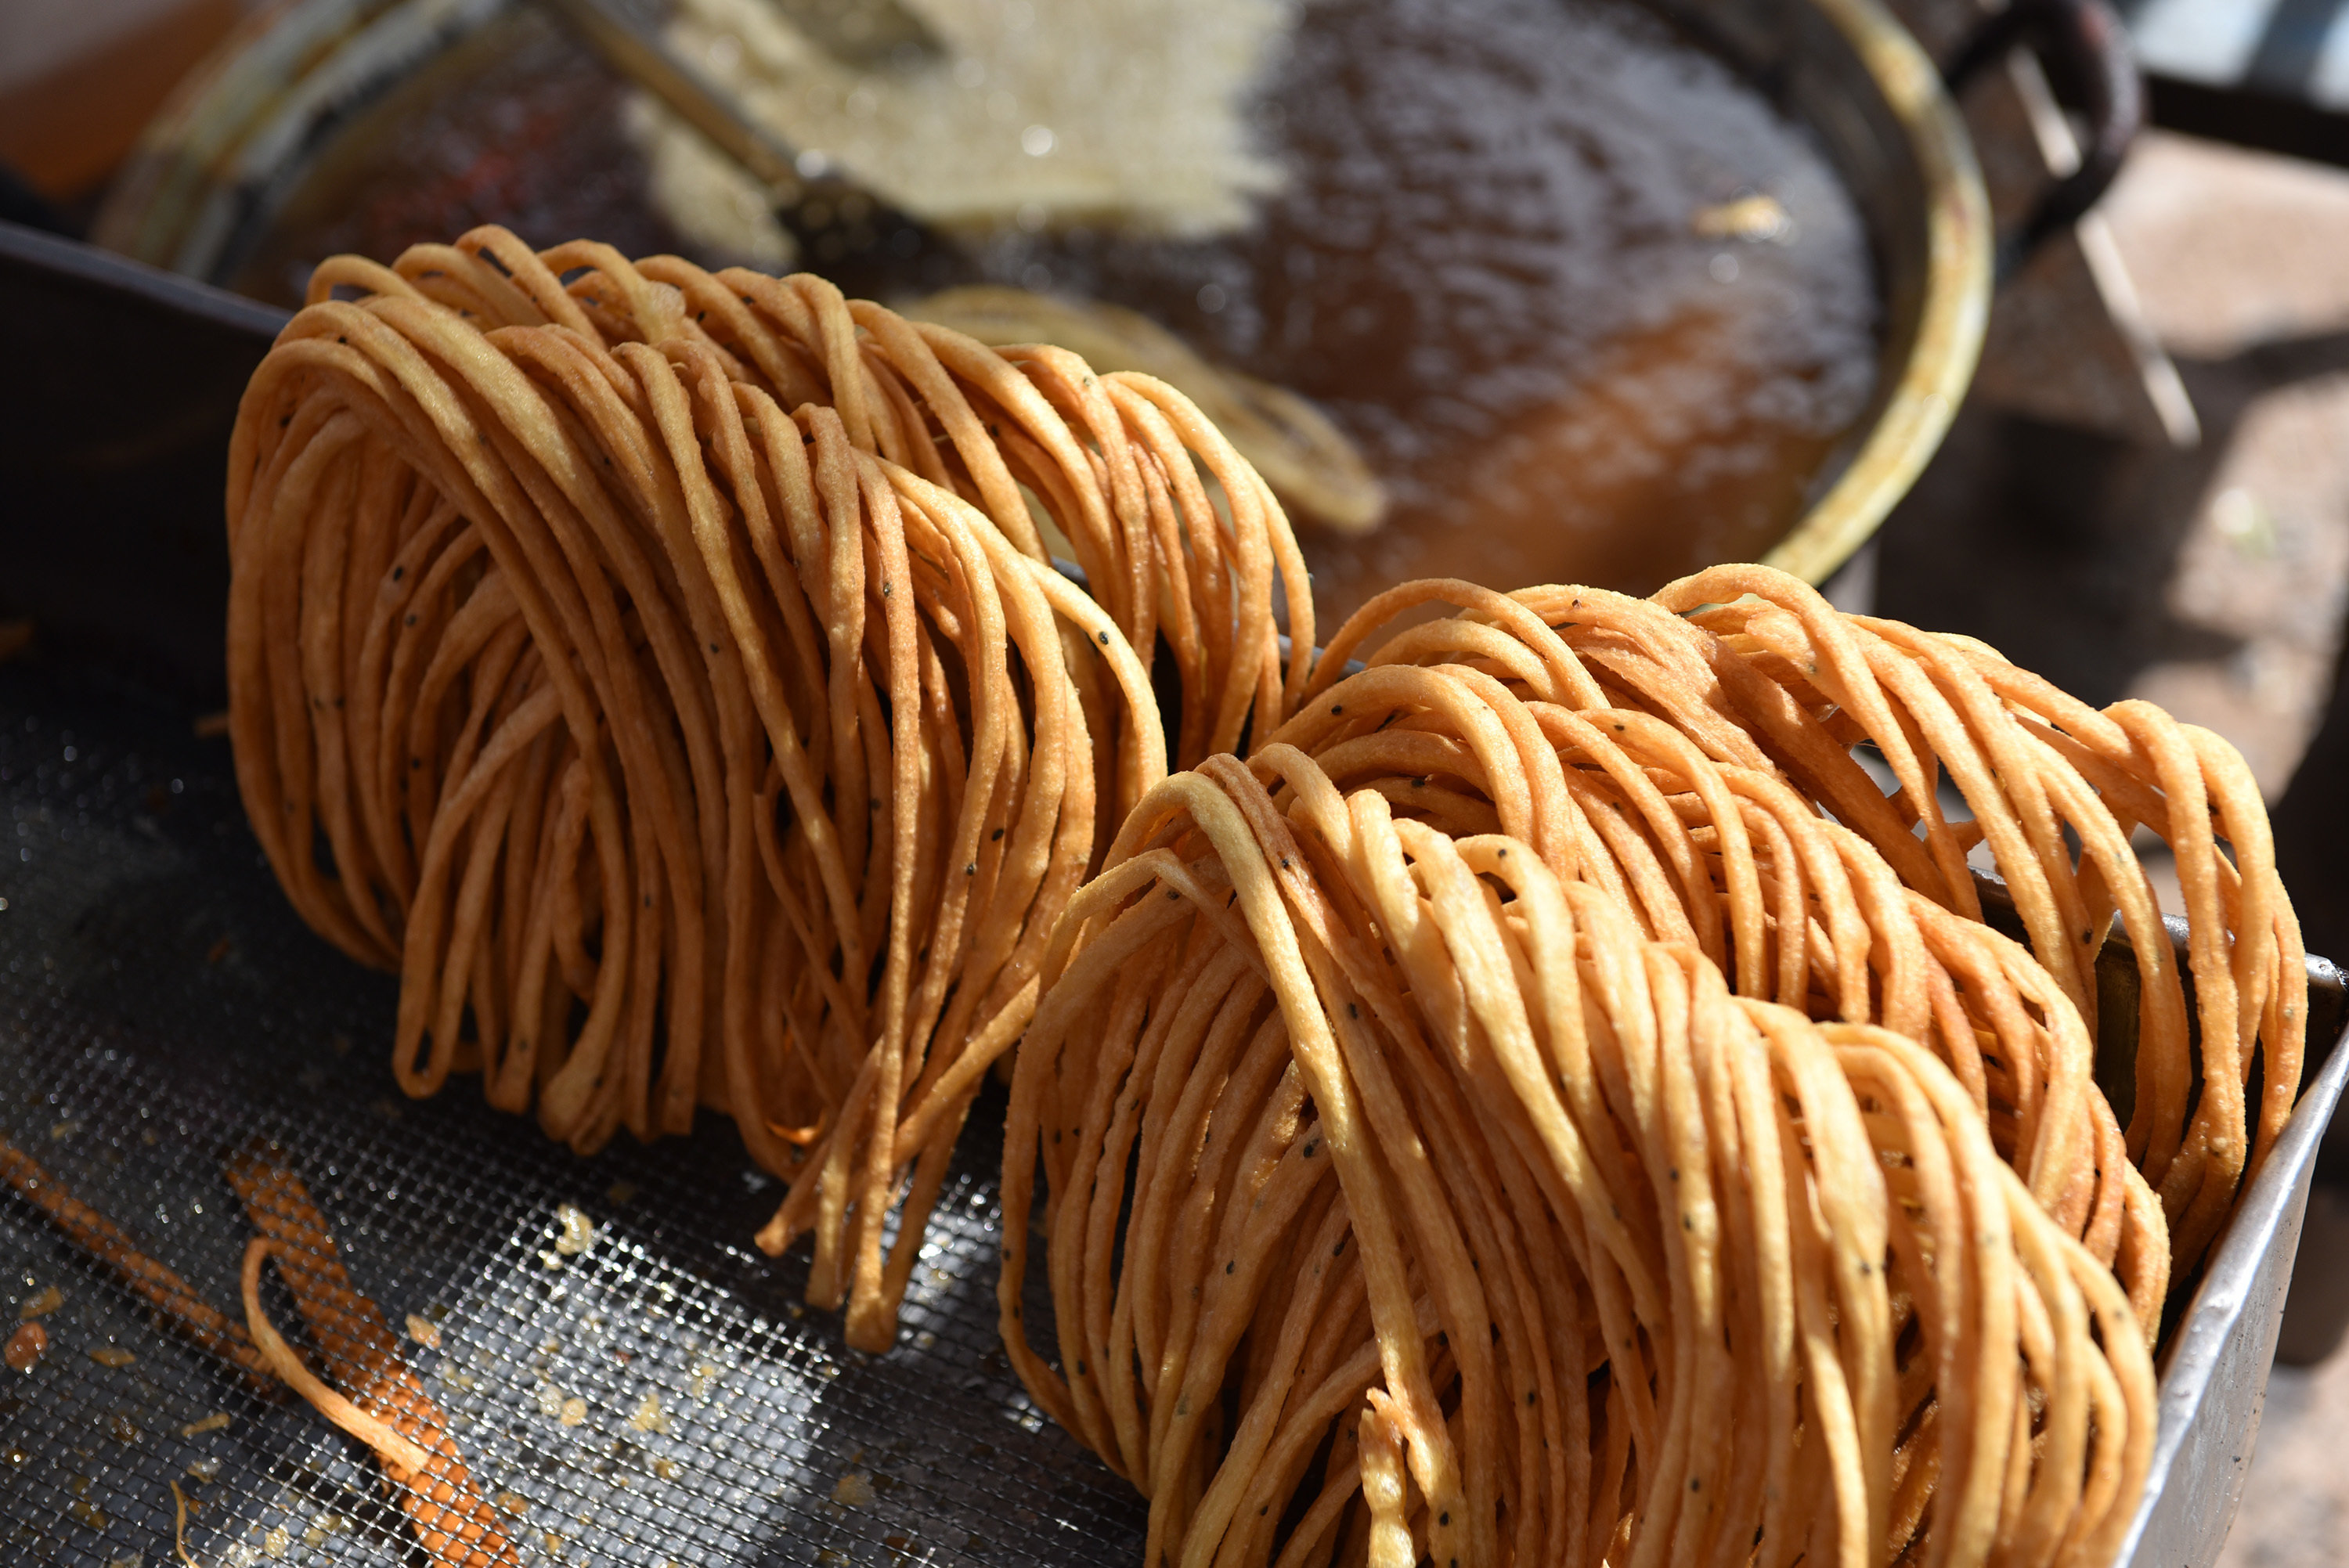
235, 149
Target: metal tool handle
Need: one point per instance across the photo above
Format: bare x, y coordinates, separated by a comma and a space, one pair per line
2085, 47
836, 220
641, 55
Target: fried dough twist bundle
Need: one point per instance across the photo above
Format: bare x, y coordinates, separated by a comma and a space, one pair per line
1704, 775
1622, 776
1552, 1105
1403, 1203
662, 672
2040, 771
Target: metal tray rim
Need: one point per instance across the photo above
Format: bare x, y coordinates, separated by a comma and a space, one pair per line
2227, 1340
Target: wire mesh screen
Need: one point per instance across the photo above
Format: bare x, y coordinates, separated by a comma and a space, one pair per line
629, 1382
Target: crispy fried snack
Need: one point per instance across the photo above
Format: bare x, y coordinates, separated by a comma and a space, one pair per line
662, 672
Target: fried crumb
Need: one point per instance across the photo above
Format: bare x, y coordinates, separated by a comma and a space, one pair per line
25, 1347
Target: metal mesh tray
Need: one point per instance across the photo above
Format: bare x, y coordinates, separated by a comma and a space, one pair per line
160, 1007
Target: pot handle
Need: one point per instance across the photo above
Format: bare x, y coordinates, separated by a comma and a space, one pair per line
2085, 46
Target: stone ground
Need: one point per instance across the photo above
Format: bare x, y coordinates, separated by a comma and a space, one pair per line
2213, 581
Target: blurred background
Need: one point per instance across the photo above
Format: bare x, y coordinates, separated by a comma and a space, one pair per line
2144, 492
